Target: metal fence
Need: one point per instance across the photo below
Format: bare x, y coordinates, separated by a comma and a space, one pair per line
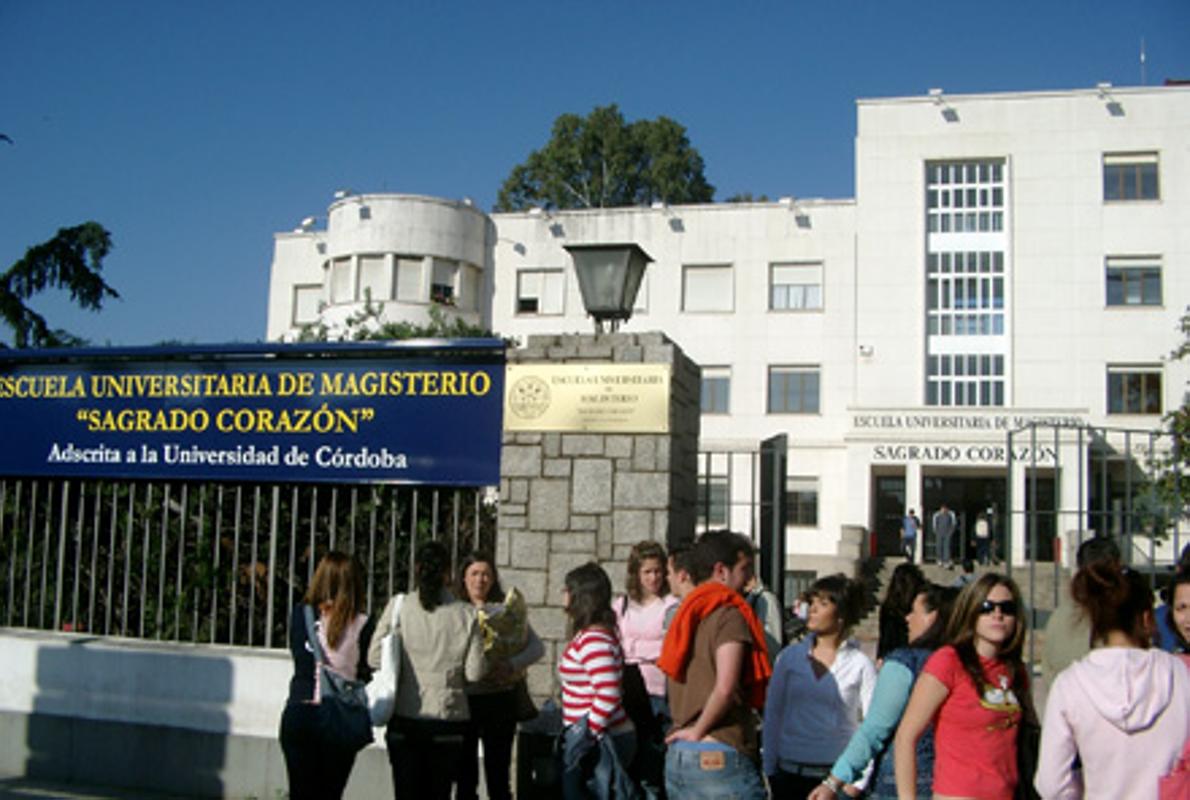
209, 562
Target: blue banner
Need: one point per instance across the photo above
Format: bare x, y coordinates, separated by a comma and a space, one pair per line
413, 413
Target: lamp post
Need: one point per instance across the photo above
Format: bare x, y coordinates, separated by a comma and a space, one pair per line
609, 277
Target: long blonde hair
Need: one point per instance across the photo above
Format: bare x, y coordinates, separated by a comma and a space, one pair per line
339, 583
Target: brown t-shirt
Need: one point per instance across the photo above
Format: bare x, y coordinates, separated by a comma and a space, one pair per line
738, 726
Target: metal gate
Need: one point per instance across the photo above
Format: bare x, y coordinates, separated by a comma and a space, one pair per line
1109, 473
210, 562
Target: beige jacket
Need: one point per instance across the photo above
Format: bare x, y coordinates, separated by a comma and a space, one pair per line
441, 652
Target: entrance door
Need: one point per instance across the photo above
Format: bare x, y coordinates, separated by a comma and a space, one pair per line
967, 496
889, 508
1042, 527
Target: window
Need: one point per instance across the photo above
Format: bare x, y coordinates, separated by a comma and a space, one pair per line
965, 196
642, 296
469, 287
965, 379
716, 390
442, 285
795, 287
801, 501
539, 291
307, 297
1130, 176
965, 293
707, 288
1133, 390
1133, 282
793, 390
409, 272
374, 278
341, 283
712, 501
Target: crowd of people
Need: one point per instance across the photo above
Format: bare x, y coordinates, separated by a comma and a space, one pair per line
680, 686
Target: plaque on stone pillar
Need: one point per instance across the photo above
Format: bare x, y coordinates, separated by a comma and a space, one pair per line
587, 398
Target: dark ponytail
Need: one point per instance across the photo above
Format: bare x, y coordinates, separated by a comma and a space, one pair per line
1114, 598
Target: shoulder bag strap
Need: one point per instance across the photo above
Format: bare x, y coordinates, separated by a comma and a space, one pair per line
312, 636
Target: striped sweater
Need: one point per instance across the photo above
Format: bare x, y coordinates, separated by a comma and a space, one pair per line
590, 671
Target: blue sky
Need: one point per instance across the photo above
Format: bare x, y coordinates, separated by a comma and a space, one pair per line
195, 130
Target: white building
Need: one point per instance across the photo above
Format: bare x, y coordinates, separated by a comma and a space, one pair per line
1007, 258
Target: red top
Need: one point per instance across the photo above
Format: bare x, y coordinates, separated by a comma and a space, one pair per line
975, 733
590, 670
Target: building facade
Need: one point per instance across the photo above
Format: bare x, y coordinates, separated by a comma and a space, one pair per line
1008, 260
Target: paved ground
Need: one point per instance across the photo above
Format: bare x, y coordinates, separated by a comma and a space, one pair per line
22, 789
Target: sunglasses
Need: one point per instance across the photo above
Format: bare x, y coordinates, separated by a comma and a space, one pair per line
1007, 607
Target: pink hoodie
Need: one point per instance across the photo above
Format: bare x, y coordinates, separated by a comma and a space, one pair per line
1125, 712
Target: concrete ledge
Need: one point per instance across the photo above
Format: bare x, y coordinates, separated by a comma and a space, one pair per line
160, 758
198, 720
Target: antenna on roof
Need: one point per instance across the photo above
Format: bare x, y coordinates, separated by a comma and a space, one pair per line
1143, 79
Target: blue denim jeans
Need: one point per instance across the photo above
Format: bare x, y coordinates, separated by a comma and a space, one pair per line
702, 771
592, 769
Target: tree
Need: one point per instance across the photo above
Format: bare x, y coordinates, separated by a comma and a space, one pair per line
601, 161
747, 197
367, 325
72, 260
1165, 498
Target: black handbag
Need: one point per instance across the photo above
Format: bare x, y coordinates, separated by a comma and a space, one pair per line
343, 716
1028, 742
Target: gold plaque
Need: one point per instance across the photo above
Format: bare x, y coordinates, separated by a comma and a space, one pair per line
597, 398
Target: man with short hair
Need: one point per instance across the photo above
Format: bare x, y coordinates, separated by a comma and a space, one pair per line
717, 662
944, 524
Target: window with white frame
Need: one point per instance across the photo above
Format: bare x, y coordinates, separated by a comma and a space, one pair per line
795, 287
409, 275
965, 196
793, 390
1133, 281
801, 501
713, 494
1134, 390
539, 291
965, 379
716, 390
375, 278
342, 286
707, 287
307, 299
1130, 176
442, 283
965, 293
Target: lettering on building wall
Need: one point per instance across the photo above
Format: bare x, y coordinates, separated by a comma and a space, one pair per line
959, 422
961, 453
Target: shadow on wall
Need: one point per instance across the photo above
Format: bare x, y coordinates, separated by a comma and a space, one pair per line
136, 718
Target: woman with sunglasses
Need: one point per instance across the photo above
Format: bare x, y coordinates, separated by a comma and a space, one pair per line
975, 690
1123, 709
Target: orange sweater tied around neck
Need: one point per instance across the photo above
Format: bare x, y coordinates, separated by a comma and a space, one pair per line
679, 642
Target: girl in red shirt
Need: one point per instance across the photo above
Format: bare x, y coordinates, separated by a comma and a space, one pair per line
976, 690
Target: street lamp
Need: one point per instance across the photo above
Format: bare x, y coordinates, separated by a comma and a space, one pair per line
609, 277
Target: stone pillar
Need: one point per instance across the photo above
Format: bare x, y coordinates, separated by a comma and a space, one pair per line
567, 498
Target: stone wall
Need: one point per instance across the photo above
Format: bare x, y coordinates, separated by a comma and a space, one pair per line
570, 498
